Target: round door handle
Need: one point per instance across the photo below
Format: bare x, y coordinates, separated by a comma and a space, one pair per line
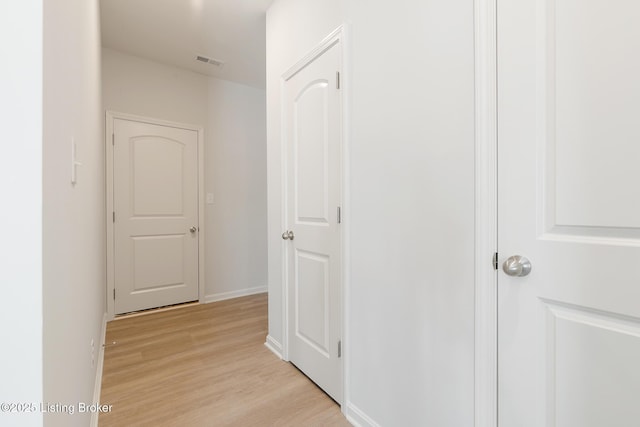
287, 235
193, 229
517, 266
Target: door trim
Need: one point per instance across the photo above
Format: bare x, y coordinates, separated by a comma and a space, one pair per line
110, 117
486, 214
336, 36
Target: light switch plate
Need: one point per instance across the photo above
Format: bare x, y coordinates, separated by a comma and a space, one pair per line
209, 198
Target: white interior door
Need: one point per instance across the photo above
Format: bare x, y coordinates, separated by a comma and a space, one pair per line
155, 182
313, 253
569, 201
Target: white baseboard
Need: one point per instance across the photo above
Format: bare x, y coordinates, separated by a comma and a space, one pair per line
234, 294
358, 418
98, 381
274, 346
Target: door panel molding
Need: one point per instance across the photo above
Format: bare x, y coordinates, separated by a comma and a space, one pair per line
565, 214
571, 332
110, 117
321, 339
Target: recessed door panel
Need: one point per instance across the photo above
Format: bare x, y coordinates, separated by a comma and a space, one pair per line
157, 174
312, 299
310, 143
588, 68
590, 383
148, 272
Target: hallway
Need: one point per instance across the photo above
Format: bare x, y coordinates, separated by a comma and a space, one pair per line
205, 365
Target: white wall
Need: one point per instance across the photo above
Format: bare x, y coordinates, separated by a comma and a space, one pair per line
410, 331
21, 215
138, 86
74, 218
233, 117
236, 171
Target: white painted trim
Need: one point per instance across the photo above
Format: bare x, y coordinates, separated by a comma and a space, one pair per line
283, 223
358, 418
345, 82
336, 36
221, 296
108, 151
486, 227
202, 284
110, 116
98, 381
274, 346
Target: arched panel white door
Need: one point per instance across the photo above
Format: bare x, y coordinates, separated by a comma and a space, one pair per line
312, 237
155, 215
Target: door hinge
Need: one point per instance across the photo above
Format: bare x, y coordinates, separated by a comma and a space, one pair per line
340, 348
113, 139
339, 215
337, 79
114, 294
114, 216
495, 261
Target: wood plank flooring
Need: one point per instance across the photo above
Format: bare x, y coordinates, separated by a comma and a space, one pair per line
206, 365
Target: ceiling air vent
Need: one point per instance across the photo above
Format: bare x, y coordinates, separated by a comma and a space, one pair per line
211, 61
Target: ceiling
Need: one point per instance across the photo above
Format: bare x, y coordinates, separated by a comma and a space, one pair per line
174, 32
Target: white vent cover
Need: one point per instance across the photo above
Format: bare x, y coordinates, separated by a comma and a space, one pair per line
211, 61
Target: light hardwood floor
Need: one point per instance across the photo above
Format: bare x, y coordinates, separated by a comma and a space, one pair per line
206, 365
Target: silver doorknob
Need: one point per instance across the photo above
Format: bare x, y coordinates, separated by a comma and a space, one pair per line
517, 266
287, 235
193, 229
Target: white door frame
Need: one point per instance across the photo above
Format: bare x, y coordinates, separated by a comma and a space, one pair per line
336, 36
486, 215
108, 138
